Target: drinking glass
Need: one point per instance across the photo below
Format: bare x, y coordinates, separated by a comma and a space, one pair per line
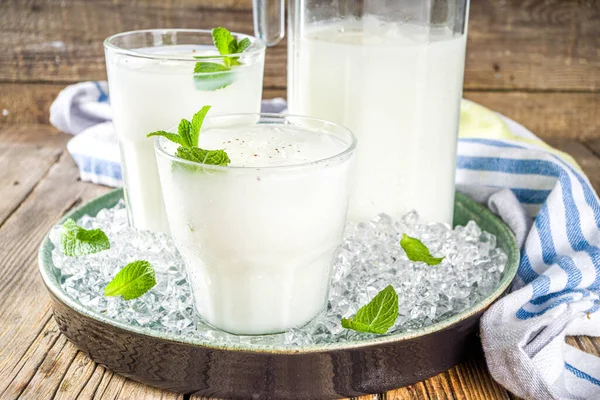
153, 85
392, 72
258, 240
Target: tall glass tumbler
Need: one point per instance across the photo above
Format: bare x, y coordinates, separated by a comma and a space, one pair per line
392, 72
258, 236
153, 85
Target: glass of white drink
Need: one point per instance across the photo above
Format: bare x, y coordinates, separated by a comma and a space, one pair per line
157, 77
392, 72
258, 235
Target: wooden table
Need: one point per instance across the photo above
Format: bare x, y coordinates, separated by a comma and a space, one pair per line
536, 61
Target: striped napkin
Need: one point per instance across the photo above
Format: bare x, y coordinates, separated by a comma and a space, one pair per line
556, 292
541, 193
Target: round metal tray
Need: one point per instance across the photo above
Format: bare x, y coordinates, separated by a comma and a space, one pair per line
265, 372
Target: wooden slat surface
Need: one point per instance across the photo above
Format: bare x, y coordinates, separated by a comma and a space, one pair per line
549, 115
536, 61
513, 44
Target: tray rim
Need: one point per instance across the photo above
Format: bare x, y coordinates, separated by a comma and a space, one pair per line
47, 246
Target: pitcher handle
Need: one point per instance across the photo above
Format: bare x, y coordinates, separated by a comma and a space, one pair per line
268, 20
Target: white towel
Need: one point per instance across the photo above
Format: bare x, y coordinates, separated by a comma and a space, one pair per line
538, 191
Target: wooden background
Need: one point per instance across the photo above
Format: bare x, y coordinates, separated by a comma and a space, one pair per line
536, 61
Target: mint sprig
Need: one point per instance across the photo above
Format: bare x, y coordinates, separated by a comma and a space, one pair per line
76, 241
211, 76
417, 251
226, 44
132, 281
188, 136
378, 315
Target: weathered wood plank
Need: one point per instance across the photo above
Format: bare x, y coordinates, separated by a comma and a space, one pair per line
125, 389
588, 344
97, 380
110, 387
27, 104
25, 316
82, 373
17, 373
46, 380
534, 44
413, 392
594, 146
587, 160
23, 162
513, 44
566, 115
469, 380
48, 46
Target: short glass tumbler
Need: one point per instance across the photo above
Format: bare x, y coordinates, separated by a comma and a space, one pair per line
154, 83
258, 237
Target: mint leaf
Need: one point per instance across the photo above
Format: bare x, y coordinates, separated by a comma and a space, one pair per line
188, 138
217, 157
171, 136
76, 241
184, 132
209, 157
243, 45
232, 61
224, 41
197, 121
378, 315
417, 251
210, 76
191, 154
132, 281
209, 67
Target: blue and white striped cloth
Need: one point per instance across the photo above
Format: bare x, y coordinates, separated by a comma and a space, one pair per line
556, 292
539, 192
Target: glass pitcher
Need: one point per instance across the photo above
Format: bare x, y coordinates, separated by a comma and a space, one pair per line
392, 72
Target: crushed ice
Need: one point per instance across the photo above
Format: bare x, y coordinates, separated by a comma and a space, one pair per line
369, 259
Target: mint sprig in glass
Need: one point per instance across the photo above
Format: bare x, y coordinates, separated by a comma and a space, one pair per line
209, 75
188, 136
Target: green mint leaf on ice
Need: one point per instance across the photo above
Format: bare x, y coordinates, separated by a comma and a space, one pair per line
76, 241
188, 137
213, 76
132, 281
417, 251
378, 315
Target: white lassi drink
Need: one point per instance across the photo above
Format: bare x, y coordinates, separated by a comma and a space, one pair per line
152, 86
258, 236
397, 86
